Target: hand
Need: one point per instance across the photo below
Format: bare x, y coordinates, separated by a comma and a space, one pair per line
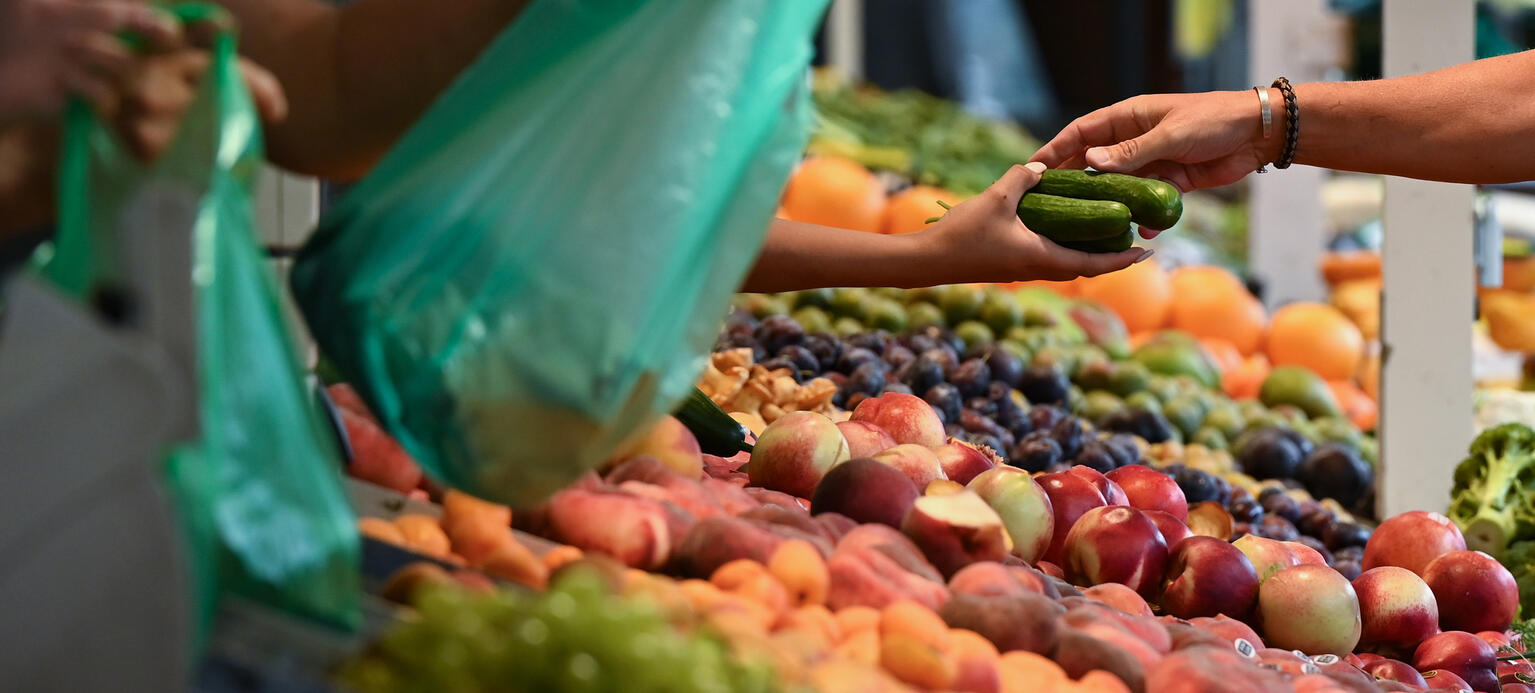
51, 49
989, 243
1190, 140
158, 90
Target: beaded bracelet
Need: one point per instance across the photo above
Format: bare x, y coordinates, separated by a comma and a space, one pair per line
1292, 124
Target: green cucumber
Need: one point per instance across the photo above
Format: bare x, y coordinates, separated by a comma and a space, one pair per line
1064, 219
1153, 204
717, 433
1104, 245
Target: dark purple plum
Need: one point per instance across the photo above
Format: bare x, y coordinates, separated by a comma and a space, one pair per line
1095, 455
896, 388
1006, 367
1044, 417
1245, 509
868, 378
827, 349
1198, 485
971, 377
983, 439
898, 356
1314, 523
922, 373
1068, 434
1124, 448
854, 357
1147, 424
1349, 568
779, 362
985, 407
876, 341
1342, 535
802, 358
1035, 453
1281, 504
943, 356
1338, 472
778, 331
1276, 528
1015, 420
1044, 385
944, 399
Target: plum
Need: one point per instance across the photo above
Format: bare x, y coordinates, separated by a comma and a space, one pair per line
742, 341
1277, 528
1336, 471
1270, 454
1315, 522
898, 355
1016, 421
1035, 453
1348, 567
1341, 535
895, 387
1124, 448
1198, 485
922, 373
945, 400
1068, 434
778, 331
1044, 385
826, 348
783, 363
876, 341
802, 358
943, 356
853, 357
1277, 502
1005, 366
1094, 454
1138, 421
983, 406
1042, 418
868, 378
1245, 509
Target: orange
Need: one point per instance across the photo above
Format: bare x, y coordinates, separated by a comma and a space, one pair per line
1315, 336
1068, 289
1369, 376
1244, 381
1211, 302
1141, 294
833, 191
908, 211
1225, 354
1358, 406
1350, 265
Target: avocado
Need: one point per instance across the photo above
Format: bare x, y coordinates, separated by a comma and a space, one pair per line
1300, 388
1129, 377
1170, 357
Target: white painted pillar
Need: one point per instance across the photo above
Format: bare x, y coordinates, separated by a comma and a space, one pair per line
1298, 40
844, 39
1426, 316
287, 207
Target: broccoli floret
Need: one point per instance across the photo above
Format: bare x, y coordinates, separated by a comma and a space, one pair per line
1520, 560
1493, 501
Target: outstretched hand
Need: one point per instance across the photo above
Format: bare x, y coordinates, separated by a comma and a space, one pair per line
1190, 140
991, 244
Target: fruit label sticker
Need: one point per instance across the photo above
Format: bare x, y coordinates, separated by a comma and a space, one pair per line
1298, 653
1309, 668
1323, 660
1245, 648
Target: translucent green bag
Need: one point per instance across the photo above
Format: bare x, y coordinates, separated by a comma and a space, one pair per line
260, 492
536, 270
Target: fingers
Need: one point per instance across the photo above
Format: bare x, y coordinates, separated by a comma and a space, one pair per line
113, 16
266, 91
1017, 181
102, 54
93, 88
1104, 126
1133, 153
1067, 264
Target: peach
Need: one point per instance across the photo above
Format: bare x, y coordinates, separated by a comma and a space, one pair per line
942, 487
1311, 608
639, 532
750, 579
915, 620
1173, 530
857, 618
919, 464
687, 495
1397, 608
1079, 653
1024, 622
867, 577
866, 491
780, 517
847, 676
1207, 577
1149, 489
802, 571
907, 418
1475, 592
835, 525
1461, 653
733, 499
862, 646
962, 461
892, 543
377, 457
1112, 493
865, 439
795, 451
1268, 556
974, 674
718, 540
814, 618
956, 530
988, 579
1204, 669
670, 442
1394, 670
1070, 497
1116, 543
1411, 540
1118, 596
1446, 680
1024, 507
766, 496
474, 526
1229, 629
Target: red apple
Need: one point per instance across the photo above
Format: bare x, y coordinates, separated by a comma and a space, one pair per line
1112, 493
1397, 608
1394, 670
1149, 489
1206, 577
795, 451
1267, 555
962, 461
1412, 540
1070, 497
1464, 654
1117, 544
866, 491
1173, 529
1474, 590
956, 530
1311, 608
1445, 680
1024, 507
918, 463
907, 418
865, 439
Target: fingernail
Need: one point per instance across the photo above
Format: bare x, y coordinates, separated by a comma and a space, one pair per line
1149, 252
1098, 156
1035, 166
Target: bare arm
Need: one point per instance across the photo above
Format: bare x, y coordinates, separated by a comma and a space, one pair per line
980, 240
358, 76
1472, 123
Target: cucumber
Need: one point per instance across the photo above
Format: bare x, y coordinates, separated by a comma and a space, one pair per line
1153, 204
1104, 245
717, 433
1064, 219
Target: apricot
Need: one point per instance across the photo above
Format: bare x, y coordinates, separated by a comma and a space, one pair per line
513, 561
1027, 672
862, 646
854, 619
750, 579
968, 643
916, 662
1099, 681
381, 530
909, 618
560, 555
813, 619
801, 570
424, 534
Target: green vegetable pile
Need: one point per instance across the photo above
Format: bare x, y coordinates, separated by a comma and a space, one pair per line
918, 135
1493, 500
574, 637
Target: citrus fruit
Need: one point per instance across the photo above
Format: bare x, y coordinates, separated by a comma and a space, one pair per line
908, 210
1210, 302
833, 191
1315, 336
1141, 294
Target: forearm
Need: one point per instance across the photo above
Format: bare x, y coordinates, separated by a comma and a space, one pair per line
804, 256
1472, 123
27, 156
358, 76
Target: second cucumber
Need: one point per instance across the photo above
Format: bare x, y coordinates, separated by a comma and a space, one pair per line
1153, 204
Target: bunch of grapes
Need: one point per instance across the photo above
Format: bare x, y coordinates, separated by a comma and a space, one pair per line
574, 637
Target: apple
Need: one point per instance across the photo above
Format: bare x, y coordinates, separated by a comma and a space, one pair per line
1173, 529
1461, 653
1397, 608
1445, 680
907, 418
795, 451
1120, 544
1412, 540
1112, 493
1267, 555
1206, 576
956, 530
918, 463
1311, 608
1070, 496
1149, 489
1022, 504
1394, 670
866, 491
865, 439
962, 461
1474, 590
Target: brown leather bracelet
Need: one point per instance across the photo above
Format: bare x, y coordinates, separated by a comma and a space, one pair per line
1292, 124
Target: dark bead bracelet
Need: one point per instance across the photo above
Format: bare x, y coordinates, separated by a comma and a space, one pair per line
1292, 123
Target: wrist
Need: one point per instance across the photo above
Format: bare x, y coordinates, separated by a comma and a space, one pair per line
1269, 148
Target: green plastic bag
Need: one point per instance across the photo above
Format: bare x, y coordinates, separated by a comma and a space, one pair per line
260, 493
536, 270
